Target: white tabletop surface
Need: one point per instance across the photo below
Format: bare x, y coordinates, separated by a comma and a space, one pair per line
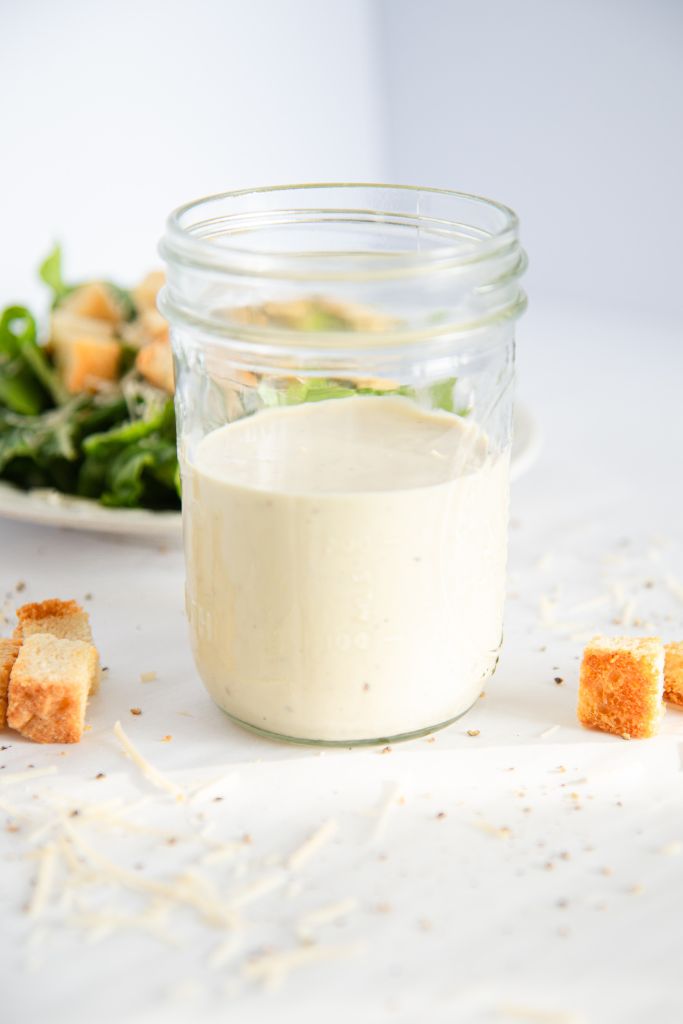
527, 873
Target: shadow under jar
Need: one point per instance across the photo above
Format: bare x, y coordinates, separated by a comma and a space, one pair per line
344, 368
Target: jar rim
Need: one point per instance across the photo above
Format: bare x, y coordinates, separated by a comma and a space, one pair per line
193, 243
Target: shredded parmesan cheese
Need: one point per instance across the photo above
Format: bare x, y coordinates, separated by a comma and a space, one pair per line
205, 789
627, 612
530, 1013
674, 586
591, 605
271, 969
16, 777
324, 915
546, 610
151, 773
44, 880
494, 830
259, 888
180, 890
225, 951
310, 846
222, 853
549, 732
391, 795
105, 923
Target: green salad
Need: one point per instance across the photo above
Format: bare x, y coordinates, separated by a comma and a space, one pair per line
109, 436
89, 410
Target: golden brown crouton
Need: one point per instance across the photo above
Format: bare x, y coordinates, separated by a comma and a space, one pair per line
621, 685
49, 687
95, 300
87, 361
64, 619
149, 326
155, 363
65, 326
145, 295
85, 349
155, 325
312, 314
8, 654
673, 673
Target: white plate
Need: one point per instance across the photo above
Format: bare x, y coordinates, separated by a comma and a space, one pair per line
50, 508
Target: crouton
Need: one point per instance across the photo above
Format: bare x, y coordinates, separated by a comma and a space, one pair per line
149, 326
155, 325
313, 314
621, 685
63, 619
87, 361
95, 300
8, 654
673, 673
145, 295
155, 363
65, 326
49, 686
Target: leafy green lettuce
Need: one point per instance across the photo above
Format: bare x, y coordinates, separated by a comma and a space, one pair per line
440, 395
134, 463
50, 272
118, 447
28, 384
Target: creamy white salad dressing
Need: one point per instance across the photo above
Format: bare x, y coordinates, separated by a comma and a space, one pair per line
345, 567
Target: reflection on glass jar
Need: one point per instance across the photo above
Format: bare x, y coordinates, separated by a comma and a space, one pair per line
344, 362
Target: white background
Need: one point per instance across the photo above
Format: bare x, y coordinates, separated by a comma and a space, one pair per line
572, 112
118, 112
569, 110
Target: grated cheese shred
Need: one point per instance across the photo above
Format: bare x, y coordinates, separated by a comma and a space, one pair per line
391, 794
151, 773
324, 915
44, 880
272, 969
312, 845
16, 777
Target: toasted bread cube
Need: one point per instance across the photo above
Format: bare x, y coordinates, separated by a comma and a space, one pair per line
621, 685
65, 619
87, 361
149, 326
49, 687
94, 300
8, 655
155, 325
673, 673
145, 295
155, 363
85, 349
65, 326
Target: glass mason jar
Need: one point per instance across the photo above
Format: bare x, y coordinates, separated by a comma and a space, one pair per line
344, 375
